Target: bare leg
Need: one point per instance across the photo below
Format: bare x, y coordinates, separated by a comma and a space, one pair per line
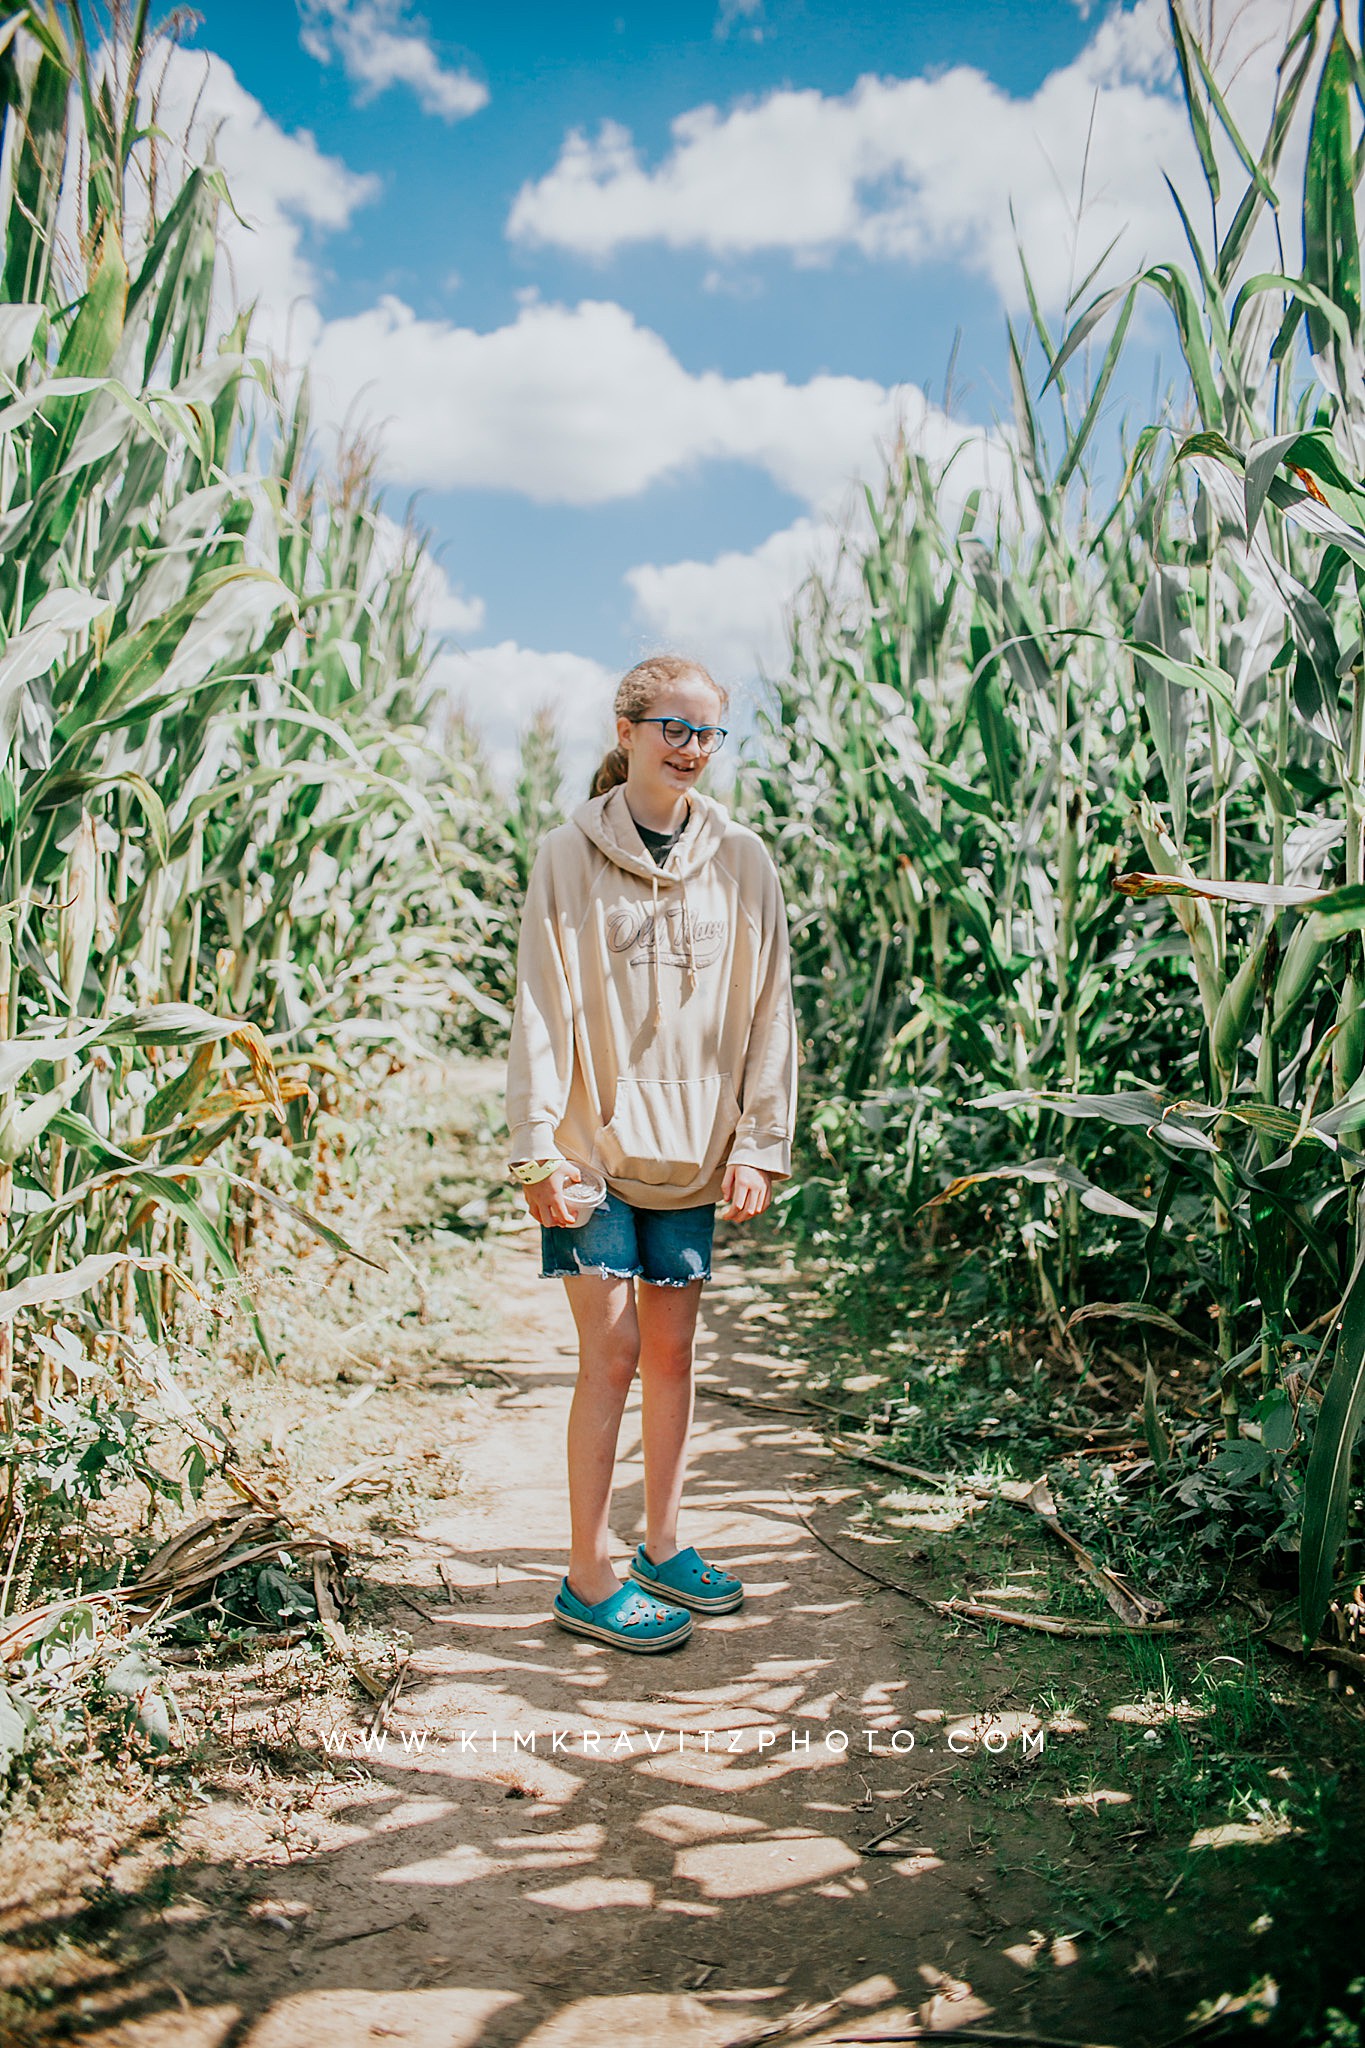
668, 1324
608, 1353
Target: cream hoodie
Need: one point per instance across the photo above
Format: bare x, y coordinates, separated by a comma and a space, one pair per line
654, 1036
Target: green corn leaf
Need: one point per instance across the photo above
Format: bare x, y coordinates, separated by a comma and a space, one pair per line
133, 664
1162, 620
1169, 1189
1085, 327
1082, 286
1270, 1254
34, 650
1178, 293
1189, 54
59, 788
1327, 1481
1261, 464
22, 1124
1213, 308
31, 223
18, 1721
1291, 80
1234, 1011
87, 353
992, 724
1189, 59
169, 1194
1025, 418
1316, 689
179, 1095
1336, 912
1299, 964
1199, 674
1301, 294
167, 1024
1081, 437
1331, 239
1311, 512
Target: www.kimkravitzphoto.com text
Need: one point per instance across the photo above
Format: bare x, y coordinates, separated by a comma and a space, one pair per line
992, 1740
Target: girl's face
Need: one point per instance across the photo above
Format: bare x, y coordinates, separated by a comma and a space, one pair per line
657, 770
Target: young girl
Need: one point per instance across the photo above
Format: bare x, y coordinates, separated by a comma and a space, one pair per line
654, 1040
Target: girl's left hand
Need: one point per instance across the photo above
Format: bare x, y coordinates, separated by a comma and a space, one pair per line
746, 1191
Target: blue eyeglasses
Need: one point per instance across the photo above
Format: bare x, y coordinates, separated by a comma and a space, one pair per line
678, 731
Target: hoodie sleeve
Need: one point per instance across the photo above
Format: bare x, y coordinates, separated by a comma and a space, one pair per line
540, 1057
763, 1136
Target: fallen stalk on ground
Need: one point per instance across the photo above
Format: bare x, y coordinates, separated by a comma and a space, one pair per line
973, 1610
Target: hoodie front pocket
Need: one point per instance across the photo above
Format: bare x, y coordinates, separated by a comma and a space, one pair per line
667, 1132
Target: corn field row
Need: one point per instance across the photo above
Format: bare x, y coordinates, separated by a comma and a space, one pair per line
1072, 820
231, 861
1069, 797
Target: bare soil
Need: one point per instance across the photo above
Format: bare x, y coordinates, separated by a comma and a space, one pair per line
554, 1845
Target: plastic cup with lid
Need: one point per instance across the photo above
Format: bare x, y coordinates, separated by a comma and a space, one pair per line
585, 1195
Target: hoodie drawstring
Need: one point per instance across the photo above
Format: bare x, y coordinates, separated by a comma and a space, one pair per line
655, 936
687, 921
687, 927
686, 915
654, 950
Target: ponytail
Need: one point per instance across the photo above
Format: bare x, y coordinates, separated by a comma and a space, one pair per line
612, 769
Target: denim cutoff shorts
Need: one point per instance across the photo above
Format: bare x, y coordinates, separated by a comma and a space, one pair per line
667, 1247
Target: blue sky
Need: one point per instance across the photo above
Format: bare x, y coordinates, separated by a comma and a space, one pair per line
628, 379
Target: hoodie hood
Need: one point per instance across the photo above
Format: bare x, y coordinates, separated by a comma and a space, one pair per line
609, 825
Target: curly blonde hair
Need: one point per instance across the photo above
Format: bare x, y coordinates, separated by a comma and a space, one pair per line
634, 695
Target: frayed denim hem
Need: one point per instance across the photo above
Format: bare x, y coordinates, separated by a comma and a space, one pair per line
610, 1273
603, 1272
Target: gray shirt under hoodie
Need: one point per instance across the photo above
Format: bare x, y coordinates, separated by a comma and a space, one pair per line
658, 845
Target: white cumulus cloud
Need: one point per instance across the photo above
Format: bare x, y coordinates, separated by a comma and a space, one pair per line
920, 169
731, 612
380, 46
501, 689
442, 610
581, 405
445, 610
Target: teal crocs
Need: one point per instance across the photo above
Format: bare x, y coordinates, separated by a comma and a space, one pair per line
689, 1579
627, 1621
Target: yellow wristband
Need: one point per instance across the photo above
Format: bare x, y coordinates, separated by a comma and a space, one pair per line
529, 1171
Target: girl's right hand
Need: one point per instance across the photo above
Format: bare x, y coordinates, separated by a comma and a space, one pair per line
545, 1198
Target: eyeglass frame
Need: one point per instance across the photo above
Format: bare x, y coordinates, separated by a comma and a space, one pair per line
692, 731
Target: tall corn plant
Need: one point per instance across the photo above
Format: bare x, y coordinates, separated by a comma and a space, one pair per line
1179, 673
216, 795
536, 799
950, 763
1248, 639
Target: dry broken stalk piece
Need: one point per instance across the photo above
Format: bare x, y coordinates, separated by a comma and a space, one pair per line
973, 1610
1136, 1610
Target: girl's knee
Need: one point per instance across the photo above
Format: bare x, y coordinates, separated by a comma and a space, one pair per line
667, 1362
614, 1365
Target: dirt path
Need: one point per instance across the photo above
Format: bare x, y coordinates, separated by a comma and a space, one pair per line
563, 1847
558, 1846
